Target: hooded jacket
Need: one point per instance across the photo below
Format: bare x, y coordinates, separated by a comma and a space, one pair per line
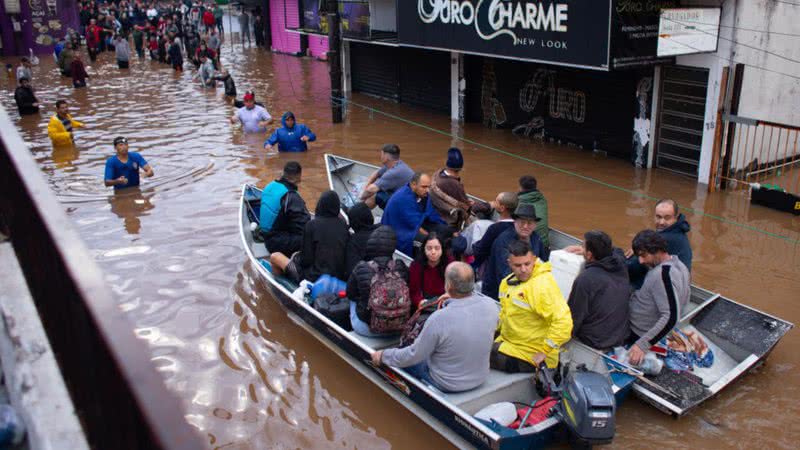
288, 139
599, 302
363, 224
324, 240
405, 214
380, 248
58, 133
536, 198
497, 265
286, 233
534, 317
677, 244
25, 99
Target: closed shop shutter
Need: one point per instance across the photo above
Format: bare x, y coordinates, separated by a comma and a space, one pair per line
425, 78
682, 112
374, 70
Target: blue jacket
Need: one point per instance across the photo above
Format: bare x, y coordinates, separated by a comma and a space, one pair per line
405, 216
497, 264
288, 139
677, 244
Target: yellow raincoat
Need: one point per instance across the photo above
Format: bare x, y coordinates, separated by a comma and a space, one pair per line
534, 317
58, 133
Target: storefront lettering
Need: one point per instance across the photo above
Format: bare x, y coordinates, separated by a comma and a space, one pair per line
502, 16
567, 104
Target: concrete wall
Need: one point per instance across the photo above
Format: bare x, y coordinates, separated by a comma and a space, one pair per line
765, 96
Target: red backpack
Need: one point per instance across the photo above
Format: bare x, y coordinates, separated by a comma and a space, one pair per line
389, 300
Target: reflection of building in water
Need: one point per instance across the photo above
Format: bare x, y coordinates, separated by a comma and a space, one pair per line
129, 205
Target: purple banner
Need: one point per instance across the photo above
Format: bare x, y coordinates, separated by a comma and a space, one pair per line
355, 19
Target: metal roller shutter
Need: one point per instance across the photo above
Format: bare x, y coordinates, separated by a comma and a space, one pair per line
375, 70
680, 133
425, 78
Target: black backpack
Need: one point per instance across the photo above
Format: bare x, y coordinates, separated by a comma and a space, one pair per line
335, 308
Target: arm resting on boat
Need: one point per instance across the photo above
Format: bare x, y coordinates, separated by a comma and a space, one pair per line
417, 352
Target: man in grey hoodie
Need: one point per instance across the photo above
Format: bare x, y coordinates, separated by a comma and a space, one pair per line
452, 351
123, 50
656, 308
600, 294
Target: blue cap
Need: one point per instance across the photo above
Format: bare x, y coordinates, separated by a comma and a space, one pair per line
454, 159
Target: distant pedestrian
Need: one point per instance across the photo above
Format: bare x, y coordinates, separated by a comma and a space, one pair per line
206, 72
123, 51
78, 71
138, 41
244, 25
25, 99
230, 85
24, 70
254, 118
218, 14
153, 47
214, 42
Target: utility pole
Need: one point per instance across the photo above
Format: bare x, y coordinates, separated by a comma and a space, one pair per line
335, 61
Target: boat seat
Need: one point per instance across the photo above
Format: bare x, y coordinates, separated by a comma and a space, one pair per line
377, 343
259, 250
498, 387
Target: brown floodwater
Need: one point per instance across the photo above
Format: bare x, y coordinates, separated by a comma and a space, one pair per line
249, 377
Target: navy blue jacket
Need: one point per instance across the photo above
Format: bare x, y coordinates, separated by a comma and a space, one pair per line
677, 244
483, 248
497, 264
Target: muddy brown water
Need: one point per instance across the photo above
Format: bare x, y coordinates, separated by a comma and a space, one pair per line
249, 377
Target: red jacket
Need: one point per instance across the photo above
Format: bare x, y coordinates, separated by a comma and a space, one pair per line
92, 36
208, 18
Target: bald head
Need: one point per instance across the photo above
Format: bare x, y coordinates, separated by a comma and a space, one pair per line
459, 279
505, 204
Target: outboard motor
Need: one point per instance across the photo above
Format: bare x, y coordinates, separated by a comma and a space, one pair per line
586, 405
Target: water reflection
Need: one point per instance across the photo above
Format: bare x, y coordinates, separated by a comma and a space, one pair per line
129, 205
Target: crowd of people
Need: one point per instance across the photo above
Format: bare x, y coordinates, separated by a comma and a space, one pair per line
518, 319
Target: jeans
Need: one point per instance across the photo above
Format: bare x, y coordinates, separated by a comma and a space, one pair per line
360, 327
422, 372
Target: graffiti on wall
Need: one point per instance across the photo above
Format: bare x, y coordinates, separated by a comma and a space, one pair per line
494, 114
562, 103
641, 123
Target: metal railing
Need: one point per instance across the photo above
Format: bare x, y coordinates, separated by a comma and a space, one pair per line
761, 152
118, 394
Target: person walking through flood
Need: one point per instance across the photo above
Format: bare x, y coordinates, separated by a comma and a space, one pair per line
291, 137
24, 70
138, 41
230, 85
78, 71
254, 118
122, 169
176, 55
61, 125
206, 72
123, 51
244, 25
25, 99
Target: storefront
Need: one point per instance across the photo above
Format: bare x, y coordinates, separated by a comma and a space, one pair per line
35, 25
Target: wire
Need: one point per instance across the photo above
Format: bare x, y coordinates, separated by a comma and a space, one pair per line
779, 33
788, 3
788, 239
737, 62
777, 55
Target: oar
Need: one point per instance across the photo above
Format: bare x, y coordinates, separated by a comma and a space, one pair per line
646, 381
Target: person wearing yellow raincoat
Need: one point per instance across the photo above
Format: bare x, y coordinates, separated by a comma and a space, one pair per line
61, 125
535, 320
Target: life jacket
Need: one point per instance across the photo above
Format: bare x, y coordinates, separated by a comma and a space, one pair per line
389, 300
271, 204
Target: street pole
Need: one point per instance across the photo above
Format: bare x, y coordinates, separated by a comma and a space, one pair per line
335, 61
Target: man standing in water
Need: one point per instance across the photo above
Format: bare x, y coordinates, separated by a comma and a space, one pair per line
254, 118
61, 125
122, 169
292, 137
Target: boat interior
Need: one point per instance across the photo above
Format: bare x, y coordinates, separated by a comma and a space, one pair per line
738, 335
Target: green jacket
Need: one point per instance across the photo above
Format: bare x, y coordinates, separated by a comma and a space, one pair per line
538, 201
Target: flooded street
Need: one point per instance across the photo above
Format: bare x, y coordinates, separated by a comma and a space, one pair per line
249, 377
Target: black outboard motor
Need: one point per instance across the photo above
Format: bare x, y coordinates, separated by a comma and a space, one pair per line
586, 405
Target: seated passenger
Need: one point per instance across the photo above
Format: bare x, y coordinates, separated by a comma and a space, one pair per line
362, 222
283, 213
324, 242
426, 273
364, 287
600, 295
447, 192
534, 317
483, 213
452, 350
410, 212
504, 204
672, 226
291, 137
497, 268
656, 308
530, 194
384, 182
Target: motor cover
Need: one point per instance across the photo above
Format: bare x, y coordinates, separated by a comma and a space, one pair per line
588, 407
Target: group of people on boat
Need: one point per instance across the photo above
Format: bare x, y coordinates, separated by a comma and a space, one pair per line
452, 332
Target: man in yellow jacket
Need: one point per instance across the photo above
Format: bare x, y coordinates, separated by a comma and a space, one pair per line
535, 320
61, 125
